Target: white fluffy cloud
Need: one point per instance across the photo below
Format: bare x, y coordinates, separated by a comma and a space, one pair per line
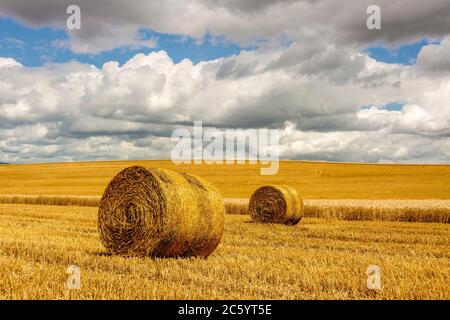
9, 63
435, 58
313, 92
328, 98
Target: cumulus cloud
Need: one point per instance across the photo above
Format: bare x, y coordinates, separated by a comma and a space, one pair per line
364, 146
308, 77
9, 63
75, 111
435, 58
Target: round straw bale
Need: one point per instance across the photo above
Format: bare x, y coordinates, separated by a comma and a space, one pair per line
276, 204
161, 213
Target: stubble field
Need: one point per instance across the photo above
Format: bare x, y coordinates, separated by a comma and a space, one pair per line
320, 258
313, 180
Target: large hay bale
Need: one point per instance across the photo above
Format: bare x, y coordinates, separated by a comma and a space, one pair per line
162, 213
276, 204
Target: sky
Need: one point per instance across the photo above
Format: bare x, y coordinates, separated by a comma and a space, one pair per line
136, 71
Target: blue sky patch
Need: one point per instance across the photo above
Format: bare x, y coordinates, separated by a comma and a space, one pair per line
36, 46
29, 46
405, 54
393, 106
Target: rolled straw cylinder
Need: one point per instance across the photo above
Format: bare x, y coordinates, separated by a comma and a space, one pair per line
276, 204
155, 212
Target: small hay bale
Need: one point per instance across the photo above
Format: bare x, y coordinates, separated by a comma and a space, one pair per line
276, 204
161, 213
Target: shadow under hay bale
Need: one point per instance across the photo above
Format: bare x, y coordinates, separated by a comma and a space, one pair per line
276, 204
161, 213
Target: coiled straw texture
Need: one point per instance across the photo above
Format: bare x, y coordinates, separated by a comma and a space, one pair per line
162, 213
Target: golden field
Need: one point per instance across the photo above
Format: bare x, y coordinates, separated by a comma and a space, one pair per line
363, 210
325, 256
311, 179
316, 259
435, 210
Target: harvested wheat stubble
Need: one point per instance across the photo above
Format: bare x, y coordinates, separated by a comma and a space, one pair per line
55, 200
276, 204
162, 213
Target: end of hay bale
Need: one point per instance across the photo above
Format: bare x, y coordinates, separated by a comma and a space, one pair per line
156, 212
276, 204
